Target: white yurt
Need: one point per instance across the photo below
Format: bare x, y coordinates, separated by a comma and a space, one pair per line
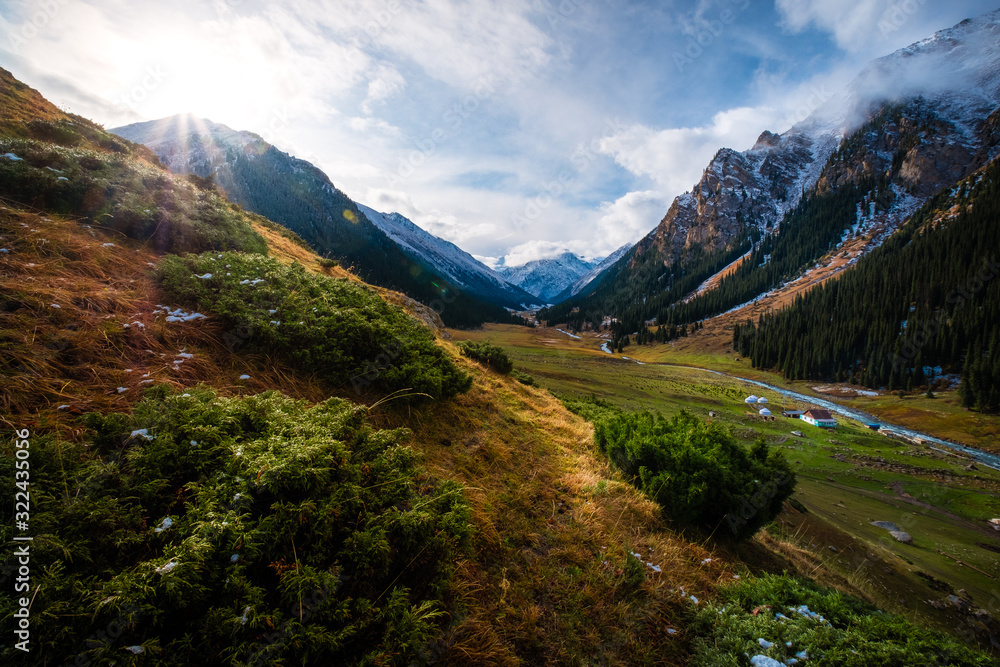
762, 400
764, 412
750, 399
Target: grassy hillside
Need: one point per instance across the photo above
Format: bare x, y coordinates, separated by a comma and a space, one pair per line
845, 479
207, 486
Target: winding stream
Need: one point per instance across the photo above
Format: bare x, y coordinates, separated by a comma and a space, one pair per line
985, 458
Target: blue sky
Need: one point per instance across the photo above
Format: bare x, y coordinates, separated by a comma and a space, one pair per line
515, 128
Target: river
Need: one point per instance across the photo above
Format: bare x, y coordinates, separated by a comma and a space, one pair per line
985, 458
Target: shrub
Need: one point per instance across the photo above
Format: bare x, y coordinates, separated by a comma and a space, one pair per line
488, 355
832, 629
328, 263
125, 193
523, 378
253, 530
698, 474
343, 331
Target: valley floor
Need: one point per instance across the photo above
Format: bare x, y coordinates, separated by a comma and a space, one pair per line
847, 478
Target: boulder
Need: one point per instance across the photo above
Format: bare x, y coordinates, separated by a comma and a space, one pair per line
901, 536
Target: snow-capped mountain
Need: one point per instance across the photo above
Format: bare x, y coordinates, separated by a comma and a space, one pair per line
591, 275
912, 123
450, 261
547, 278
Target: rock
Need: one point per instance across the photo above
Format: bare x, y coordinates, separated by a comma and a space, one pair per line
888, 525
895, 531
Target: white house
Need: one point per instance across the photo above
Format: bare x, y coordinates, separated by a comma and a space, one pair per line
818, 417
750, 399
764, 412
762, 400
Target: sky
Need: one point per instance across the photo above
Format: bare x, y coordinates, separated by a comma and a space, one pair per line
517, 129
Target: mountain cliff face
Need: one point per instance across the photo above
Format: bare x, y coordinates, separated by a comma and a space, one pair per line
547, 278
298, 195
910, 124
739, 190
456, 265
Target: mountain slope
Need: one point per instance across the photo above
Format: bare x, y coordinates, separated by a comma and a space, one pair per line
183, 499
590, 276
206, 490
911, 123
938, 304
462, 269
296, 194
547, 277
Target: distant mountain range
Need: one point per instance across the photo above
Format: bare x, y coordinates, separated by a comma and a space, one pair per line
548, 278
298, 195
456, 265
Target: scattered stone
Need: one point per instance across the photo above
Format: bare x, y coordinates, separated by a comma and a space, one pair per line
895, 531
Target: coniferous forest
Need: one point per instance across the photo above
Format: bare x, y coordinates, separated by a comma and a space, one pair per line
925, 303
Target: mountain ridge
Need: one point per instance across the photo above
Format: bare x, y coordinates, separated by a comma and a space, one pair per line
300, 196
464, 270
899, 144
548, 277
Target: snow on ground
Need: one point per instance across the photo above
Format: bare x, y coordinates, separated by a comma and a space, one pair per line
748, 303
605, 348
177, 315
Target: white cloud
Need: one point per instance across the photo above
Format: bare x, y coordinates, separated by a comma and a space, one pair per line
386, 82
368, 123
675, 158
531, 250
627, 219
851, 22
872, 28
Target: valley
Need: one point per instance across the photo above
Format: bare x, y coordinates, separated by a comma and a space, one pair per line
848, 477
250, 420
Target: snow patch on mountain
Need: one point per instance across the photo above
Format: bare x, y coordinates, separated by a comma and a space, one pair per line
547, 278
591, 275
446, 258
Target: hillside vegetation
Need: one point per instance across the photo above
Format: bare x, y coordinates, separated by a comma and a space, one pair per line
938, 303
210, 485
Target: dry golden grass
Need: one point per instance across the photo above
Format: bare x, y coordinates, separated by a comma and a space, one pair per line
548, 583
550, 578
80, 319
